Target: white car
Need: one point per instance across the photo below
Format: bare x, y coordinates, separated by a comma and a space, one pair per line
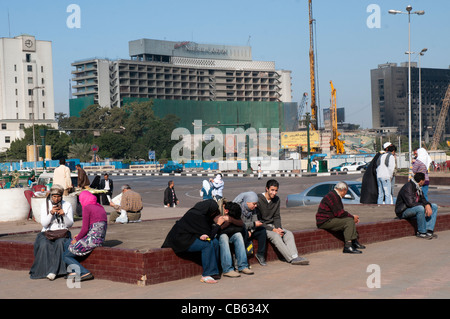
344, 167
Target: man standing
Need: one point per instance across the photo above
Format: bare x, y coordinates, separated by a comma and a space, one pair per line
411, 203
332, 216
170, 197
61, 176
283, 239
130, 207
106, 184
83, 180
385, 173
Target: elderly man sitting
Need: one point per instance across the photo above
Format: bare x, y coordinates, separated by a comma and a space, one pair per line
331, 216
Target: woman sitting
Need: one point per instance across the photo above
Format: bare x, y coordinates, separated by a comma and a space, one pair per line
196, 231
56, 219
91, 235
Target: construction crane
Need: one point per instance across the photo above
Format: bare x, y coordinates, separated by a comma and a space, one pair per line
301, 107
441, 121
314, 121
335, 141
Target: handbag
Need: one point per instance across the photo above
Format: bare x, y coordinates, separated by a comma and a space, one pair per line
56, 234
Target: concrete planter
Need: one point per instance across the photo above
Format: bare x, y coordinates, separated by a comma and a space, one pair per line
14, 205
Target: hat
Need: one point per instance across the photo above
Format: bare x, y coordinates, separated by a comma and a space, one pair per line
386, 145
57, 190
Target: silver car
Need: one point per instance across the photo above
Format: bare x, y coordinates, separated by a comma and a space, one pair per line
314, 194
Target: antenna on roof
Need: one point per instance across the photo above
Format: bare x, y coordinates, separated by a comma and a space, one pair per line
248, 41
9, 25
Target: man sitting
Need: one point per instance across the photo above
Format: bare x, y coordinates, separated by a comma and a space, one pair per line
411, 203
332, 216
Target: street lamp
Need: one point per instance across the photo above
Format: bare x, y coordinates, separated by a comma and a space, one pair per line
420, 97
34, 134
408, 12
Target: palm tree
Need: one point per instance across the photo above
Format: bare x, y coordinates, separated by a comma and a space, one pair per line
81, 151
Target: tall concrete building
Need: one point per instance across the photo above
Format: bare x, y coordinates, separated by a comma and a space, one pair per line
26, 86
389, 85
180, 71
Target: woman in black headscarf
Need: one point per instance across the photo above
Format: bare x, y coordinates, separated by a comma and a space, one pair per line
196, 231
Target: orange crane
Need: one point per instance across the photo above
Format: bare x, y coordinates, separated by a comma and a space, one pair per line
335, 141
314, 122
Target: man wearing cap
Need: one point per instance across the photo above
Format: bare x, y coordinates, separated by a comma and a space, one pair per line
385, 172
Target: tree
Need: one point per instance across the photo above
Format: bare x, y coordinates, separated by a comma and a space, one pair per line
81, 151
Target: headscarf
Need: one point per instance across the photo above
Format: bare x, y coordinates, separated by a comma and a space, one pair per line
243, 198
206, 186
218, 179
87, 198
422, 155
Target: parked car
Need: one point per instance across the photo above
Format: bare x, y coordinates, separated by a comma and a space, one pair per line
46, 178
348, 166
314, 194
171, 168
362, 167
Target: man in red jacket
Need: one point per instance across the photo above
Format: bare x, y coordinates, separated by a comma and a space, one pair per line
331, 216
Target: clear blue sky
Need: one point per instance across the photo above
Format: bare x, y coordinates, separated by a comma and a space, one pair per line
277, 30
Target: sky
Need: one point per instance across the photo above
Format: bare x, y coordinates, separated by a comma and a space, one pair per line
352, 37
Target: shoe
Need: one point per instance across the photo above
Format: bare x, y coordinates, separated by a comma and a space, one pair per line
87, 276
423, 235
208, 280
51, 276
357, 245
300, 261
261, 260
351, 250
247, 271
431, 235
232, 274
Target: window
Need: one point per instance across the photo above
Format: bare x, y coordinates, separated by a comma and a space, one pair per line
320, 190
30, 92
29, 68
28, 57
7, 139
30, 80
21, 126
3, 126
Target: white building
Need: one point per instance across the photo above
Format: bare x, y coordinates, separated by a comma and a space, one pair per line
26, 87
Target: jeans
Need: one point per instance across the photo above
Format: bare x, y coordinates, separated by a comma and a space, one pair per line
72, 261
239, 250
425, 191
209, 251
423, 223
384, 191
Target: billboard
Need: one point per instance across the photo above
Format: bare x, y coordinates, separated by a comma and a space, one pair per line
291, 140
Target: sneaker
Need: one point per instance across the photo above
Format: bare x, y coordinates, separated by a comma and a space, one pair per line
247, 271
431, 235
300, 261
232, 274
261, 260
423, 235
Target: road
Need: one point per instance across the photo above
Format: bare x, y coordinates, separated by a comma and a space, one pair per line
188, 187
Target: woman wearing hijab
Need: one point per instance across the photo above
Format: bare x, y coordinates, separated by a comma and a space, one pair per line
196, 232
206, 191
56, 219
91, 235
218, 185
421, 165
254, 227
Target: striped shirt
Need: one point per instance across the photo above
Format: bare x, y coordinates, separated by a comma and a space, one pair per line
331, 207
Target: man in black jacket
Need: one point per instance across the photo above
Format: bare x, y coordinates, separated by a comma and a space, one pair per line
412, 204
107, 184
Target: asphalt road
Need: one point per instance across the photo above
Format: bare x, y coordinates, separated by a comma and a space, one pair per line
188, 187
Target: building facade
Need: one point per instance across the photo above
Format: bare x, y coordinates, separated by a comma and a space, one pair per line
26, 86
181, 71
389, 86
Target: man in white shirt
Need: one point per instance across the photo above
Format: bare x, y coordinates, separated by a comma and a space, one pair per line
61, 176
385, 172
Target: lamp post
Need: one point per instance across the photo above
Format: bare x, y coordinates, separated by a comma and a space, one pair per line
34, 134
420, 96
408, 12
